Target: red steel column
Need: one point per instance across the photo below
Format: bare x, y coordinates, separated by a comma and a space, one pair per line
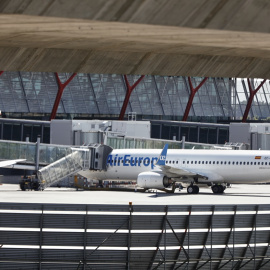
128, 93
1, 72
252, 92
61, 87
192, 95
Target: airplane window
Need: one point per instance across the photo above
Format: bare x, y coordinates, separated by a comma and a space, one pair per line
177, 162
244, 163
183, 162
217, 162
199, 162
166, 161
202, 162
262, 163
254, 163
240, 163
187, 162
233, 163
247, 163
170, 162
209, 162
191, 162
173, 162
225, 162
206, 162
221, 162
236, 163
258, 163
251, 163
213, 162
195, 162
229, 162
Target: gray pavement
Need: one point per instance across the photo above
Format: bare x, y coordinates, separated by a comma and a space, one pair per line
237, 194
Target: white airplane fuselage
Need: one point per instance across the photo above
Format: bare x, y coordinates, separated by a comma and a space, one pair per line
218, 166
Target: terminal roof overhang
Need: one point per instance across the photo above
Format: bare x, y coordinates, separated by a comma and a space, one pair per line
237, 15
50, 44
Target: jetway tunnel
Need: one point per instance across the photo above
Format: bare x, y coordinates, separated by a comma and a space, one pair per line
92, 157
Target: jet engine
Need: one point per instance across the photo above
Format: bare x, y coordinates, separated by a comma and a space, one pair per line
153, 180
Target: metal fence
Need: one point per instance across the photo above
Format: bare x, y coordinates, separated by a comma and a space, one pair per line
76, 236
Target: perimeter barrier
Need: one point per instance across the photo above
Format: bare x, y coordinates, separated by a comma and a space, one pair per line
79, 236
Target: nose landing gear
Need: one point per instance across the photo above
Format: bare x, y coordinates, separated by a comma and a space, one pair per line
193, 189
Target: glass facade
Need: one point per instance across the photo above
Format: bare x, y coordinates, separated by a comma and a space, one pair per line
194, 132
19, 130
260, 109
32, 94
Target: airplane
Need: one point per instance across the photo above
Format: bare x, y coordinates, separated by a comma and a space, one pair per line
159, 170
10, 163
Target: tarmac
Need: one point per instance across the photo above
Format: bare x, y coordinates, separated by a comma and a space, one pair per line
237, 194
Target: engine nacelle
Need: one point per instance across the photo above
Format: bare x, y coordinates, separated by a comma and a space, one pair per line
153, 180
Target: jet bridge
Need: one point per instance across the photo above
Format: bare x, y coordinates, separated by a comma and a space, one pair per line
92, 157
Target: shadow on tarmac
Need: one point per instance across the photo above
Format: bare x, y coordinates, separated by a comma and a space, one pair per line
161, 194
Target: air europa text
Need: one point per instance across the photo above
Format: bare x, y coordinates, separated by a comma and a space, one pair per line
128, 160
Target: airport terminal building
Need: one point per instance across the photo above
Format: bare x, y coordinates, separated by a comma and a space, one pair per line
80, 78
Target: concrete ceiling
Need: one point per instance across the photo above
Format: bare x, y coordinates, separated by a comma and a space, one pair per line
137, 37
239, 15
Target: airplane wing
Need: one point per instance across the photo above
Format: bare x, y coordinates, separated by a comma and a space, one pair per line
177, 172
8, 163
174, 172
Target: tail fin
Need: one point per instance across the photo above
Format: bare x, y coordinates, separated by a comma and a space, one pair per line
162, 158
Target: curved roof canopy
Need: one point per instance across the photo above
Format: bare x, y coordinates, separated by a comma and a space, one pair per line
137, 37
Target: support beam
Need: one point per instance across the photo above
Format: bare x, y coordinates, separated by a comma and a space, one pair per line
61, 87
252, 92
193, 92
128, 93
163, 225
1, 72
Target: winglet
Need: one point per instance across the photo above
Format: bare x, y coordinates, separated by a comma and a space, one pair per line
162, 157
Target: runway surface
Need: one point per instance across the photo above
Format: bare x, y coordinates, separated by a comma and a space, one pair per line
237, 194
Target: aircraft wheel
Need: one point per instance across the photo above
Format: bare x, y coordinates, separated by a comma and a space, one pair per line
190, 189
215, 189
196, 189
221, 189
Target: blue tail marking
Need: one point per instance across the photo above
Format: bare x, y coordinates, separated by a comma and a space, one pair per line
162, 158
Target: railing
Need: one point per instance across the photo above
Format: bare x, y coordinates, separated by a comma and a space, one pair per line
79, 236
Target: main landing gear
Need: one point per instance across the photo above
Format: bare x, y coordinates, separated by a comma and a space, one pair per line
218, 189
193, 189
